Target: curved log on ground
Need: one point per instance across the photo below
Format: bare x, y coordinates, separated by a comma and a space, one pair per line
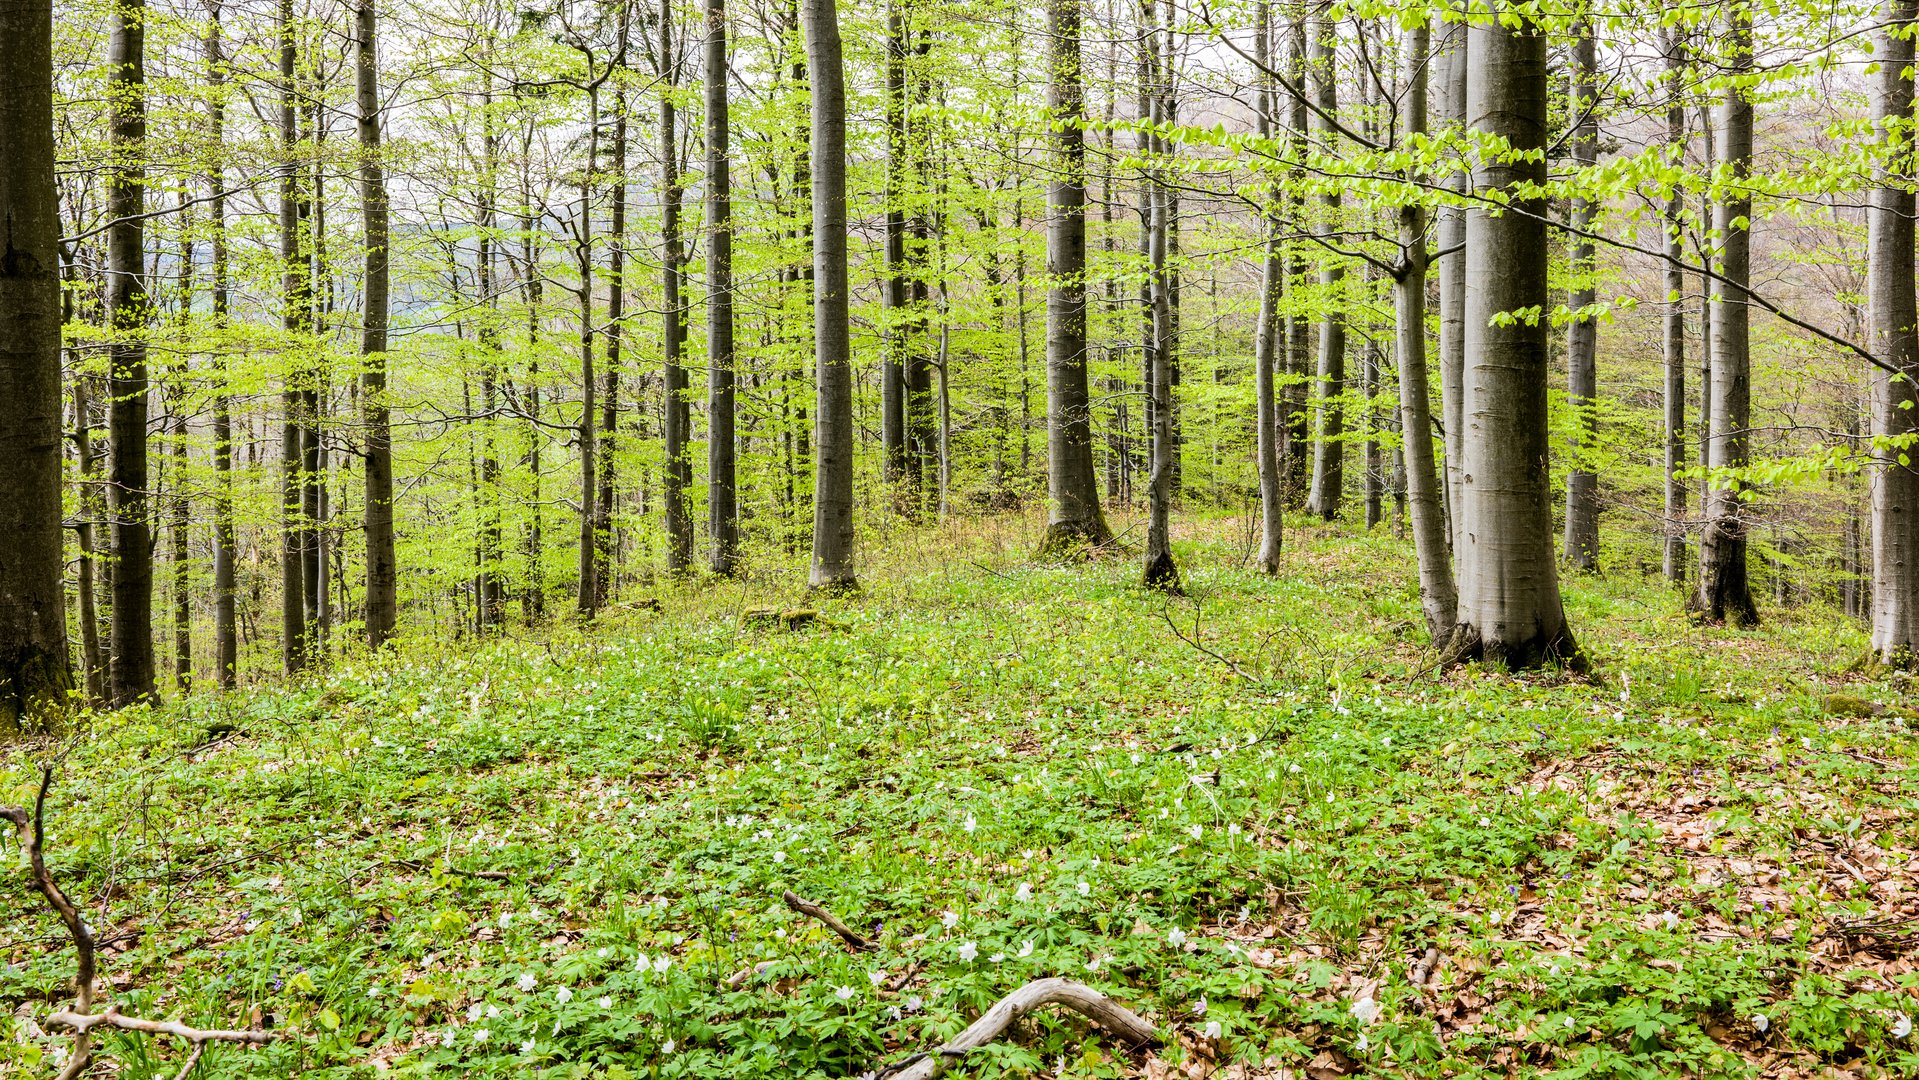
1122, 1022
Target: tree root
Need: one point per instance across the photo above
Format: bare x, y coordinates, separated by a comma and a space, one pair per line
80, 1017
1088, 1002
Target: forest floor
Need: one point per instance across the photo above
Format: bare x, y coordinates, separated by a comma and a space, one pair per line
1255, 815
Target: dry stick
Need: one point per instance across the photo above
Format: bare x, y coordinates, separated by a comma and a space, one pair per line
32, 830
1085, 1000
808, 907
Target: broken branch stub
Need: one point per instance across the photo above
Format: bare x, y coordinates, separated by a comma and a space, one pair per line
813, 908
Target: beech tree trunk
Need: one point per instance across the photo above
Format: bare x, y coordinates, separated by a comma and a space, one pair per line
1725, 594
1160, 572
1074, 519
1509, 604
36, 673
832, 346
606, 496
1438, 595
382, 565
131, 668
1297, 433
295, 639
1451, 239
893, 291
587, 603
1329, 451
1895, 340
677, 470
723, 520
1266, 334
1582, 378
1674, 344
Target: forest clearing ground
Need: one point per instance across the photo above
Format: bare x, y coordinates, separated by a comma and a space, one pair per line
1328, 862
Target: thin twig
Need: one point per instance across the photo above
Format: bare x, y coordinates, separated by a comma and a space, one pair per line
809, 907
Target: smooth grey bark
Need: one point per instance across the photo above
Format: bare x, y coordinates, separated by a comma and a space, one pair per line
1673, 562
677, 472
1725, 592
1509, 604
382, 564
1074, 519
1160, 571
587, 602
131, 675
87, 463
226, 547
722, 453
1296, 434
1438, 594
1268, 330
832, 567
1329, 448
606, 494
36, 672
1582, 342
1895, 340
296, 634
1451, 239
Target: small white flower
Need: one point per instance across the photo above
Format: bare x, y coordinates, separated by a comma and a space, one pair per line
968, 952
564, 993
667, 1046
661, 963
1023, 893
1195, 831
1671, 919
1569, 1022
1365, 1010
1093, 964
1199, 1007
641, 963
970, 824
1485, 823
1901, 1027
1387, 741
606, 1002
506, 919
1175, 937
949, 919
526, 983
1233, 829
492, 1011
1213, 1030
893, 1012
844, 993
481, 1035
915, 1003
1084, 889
473, 1012
605, 952
1363, 1042
1293, 768
1026, 949
996, 958
876, 978
527, 1048
1761, 1022
779, 856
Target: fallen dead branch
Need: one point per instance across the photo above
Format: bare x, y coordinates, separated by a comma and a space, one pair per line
81, 1018
1122, 1022
808, 907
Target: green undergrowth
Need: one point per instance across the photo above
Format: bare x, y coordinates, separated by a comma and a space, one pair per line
1248, 814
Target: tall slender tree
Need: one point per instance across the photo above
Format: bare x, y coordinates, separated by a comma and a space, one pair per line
36, 671
1895, 339
832, 344
1074, 519
1674, 324
295, 636
382, 564
1160, 571
1509, 605
128, 311
1269, 329
722, 457
1329, 453
677, 471
1582, 346
1724, 593
1438, 594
